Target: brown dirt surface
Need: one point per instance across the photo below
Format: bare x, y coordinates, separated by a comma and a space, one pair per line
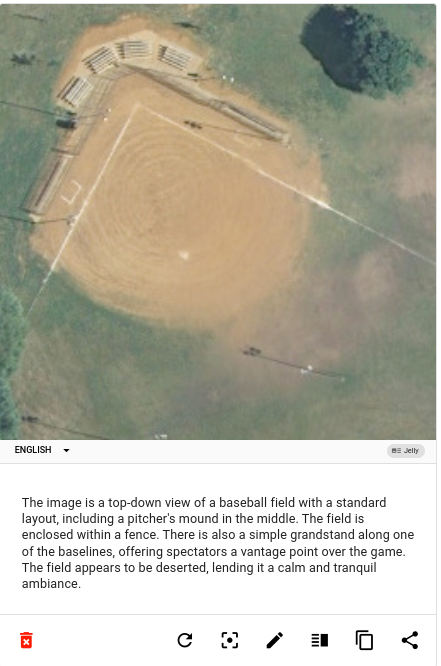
180, 224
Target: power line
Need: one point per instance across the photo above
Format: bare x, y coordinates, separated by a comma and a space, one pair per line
28, 108
30, 17
63, 116
13, 218
34, 420
304, 370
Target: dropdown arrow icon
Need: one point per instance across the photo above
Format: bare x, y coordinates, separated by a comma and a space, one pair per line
66, 450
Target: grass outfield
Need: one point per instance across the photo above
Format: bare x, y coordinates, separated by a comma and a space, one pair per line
95, 370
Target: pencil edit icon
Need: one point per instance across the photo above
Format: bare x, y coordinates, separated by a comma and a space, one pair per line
274, 640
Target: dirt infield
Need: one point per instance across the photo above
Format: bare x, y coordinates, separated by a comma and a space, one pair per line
177, 223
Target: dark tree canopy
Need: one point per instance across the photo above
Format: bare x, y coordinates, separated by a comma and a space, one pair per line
23, 58
12, 335
358, 51
9, 418
12, 332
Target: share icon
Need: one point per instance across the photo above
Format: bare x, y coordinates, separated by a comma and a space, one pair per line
406, 640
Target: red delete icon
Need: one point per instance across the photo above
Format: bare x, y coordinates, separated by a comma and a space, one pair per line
26, 639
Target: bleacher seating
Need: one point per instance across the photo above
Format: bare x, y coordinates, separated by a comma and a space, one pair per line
134, 49
174, 57
101, 59
76, 91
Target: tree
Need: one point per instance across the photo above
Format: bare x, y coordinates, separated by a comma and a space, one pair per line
12, 335
358, 51
9, 418
23, 59
12, 332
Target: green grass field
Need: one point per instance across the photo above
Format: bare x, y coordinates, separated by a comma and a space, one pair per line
368, 309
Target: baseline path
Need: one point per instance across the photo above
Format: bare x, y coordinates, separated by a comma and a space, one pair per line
83, 208
288, 186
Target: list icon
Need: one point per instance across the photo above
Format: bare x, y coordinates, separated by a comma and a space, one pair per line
319, 640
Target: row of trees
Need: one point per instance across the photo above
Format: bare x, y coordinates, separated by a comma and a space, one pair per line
12, 336
359, 52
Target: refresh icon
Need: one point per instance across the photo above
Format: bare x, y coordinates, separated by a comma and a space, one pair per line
185, 640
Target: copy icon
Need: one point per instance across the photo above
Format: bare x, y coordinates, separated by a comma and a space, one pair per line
364, 640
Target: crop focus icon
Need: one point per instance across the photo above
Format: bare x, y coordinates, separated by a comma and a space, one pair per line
230, 639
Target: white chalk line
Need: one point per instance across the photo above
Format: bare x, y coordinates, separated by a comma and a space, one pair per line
288, 186
75, 194
83, 208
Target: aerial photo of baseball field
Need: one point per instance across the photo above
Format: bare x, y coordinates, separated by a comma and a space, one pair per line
217, 222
